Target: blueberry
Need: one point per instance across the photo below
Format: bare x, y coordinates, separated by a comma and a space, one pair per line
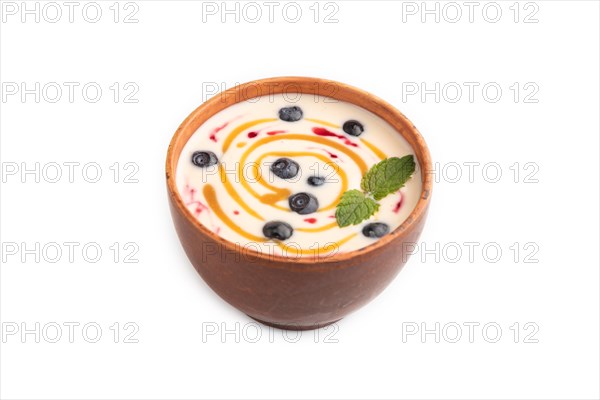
303, 203
376, 230
204, 158
290, 114
277, 230
285, 168
353, 128
316, 181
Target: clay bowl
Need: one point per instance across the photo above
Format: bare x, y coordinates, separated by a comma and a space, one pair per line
298, 293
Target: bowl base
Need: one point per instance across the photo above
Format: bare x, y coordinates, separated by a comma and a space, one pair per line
294, 327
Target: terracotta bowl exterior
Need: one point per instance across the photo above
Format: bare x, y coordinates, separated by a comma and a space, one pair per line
296, 293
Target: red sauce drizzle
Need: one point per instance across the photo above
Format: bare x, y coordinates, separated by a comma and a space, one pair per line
199, 205
398, 204
311, 220
271, 133
324, 132
236, 212
213, 134
252, 135
191, 192
332, 155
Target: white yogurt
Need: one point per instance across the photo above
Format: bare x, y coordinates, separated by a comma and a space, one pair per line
248, 136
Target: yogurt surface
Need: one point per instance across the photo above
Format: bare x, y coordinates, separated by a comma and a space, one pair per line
237, 195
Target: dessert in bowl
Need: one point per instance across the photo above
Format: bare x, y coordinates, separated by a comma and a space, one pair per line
295, 198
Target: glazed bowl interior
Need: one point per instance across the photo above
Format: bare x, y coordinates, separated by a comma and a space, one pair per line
313, 86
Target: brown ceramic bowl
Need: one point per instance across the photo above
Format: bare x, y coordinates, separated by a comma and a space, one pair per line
299, 293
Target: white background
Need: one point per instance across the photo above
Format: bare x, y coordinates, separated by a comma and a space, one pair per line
171, 54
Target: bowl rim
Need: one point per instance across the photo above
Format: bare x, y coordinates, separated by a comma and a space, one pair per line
238, 90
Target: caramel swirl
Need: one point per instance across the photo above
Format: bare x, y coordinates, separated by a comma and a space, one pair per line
211, 199
241, 128
249, 173
284, 193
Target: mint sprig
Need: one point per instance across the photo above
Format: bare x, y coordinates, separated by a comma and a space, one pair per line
353, 206
382, 179
388, 176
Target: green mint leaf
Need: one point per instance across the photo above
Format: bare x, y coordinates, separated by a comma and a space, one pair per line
388, 176
354, 207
